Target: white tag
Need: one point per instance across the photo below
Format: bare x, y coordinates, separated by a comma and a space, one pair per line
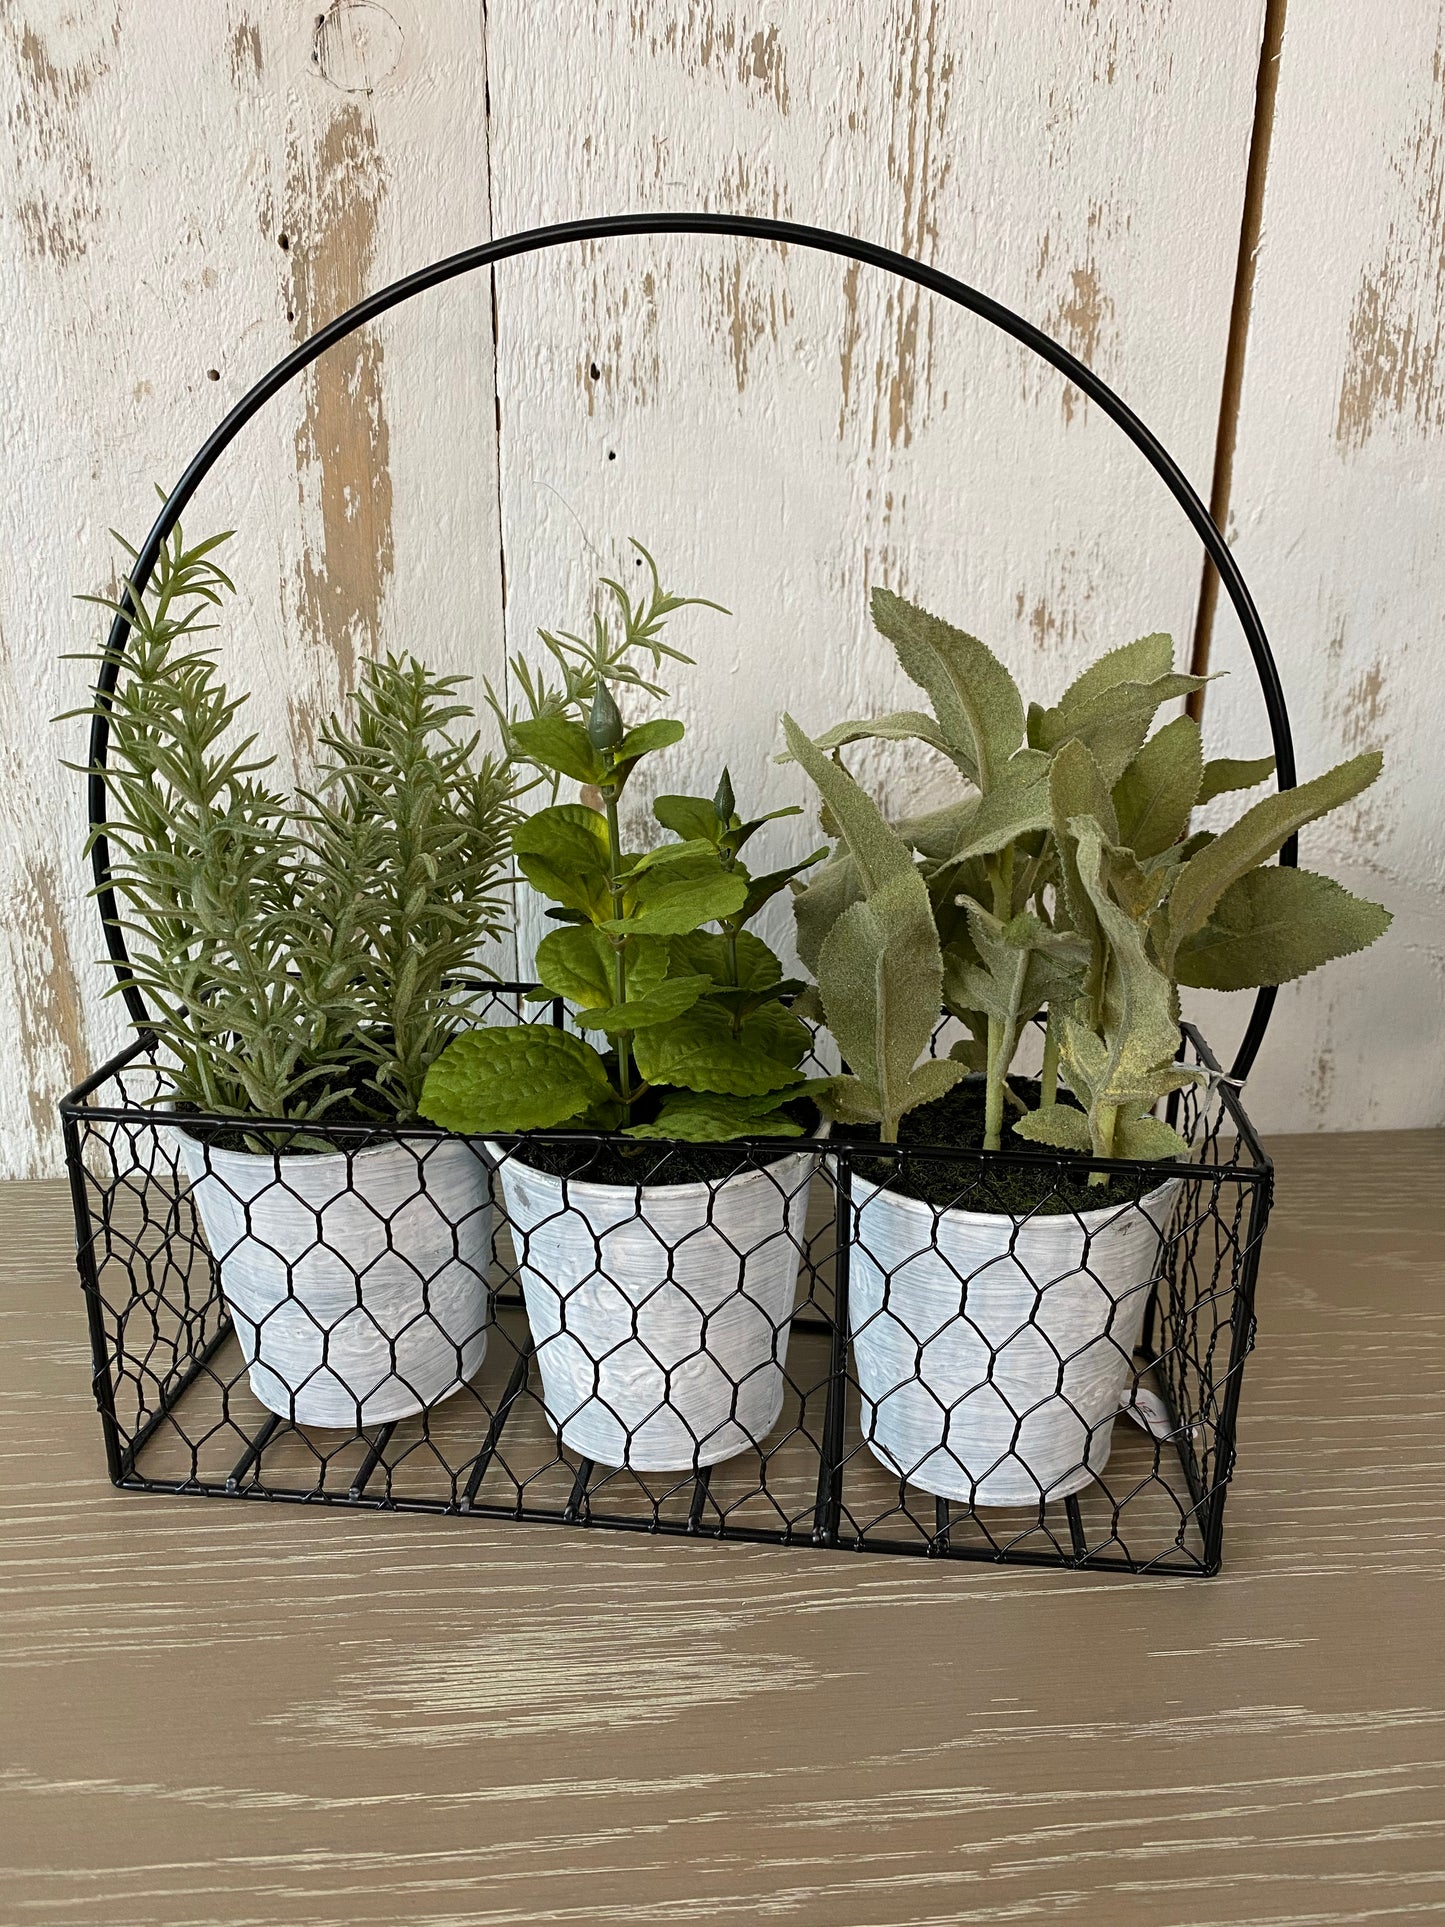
1149, 1412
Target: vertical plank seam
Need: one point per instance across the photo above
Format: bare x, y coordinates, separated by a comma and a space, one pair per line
1231, 388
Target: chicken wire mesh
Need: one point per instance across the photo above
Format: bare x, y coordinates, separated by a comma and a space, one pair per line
819, 1341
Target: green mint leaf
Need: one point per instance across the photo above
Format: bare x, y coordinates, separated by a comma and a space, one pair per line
660, 1006
562, 852
522, 1077
556, 742
577, 963
707, 952
671, 899
710, 1118
701, 1053
693, 818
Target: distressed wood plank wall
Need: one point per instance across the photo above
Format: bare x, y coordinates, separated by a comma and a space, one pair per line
1337, 504
182, 197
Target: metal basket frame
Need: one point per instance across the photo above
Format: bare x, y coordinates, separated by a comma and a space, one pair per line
1197, 1331
178, 1415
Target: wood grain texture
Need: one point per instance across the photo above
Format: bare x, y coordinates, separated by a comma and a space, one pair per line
237, 1714
182, 203
1338, 490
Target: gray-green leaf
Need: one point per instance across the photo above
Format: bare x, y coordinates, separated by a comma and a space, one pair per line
1155, 795
1143, 661
1059, 1125
1253, 840
1017, 805
980, 712
818, 907
900, 726
1225, 773
880, 968
1273, 925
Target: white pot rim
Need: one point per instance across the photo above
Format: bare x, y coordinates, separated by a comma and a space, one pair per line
396, 1139
592, 1191
1089, 1220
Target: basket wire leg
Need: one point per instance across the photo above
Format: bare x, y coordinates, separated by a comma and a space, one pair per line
577, 1499
499, 1419
828, 1508
701, 1486
374, 1454
251, 1458
1076, 1526
101, 1379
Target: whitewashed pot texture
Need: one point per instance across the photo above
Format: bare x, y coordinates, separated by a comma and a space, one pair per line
660, 1313
993, 1371
354, 1284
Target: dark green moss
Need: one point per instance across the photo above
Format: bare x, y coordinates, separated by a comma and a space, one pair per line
620, 1160
983, 1182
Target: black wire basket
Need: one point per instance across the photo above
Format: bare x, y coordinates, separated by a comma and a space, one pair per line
814, 1341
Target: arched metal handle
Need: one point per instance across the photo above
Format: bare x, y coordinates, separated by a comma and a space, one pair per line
738, 226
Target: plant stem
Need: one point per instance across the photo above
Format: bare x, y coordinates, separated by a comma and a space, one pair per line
730, 952
1105, 1118
617, 886
993, 1100
1003, 888
1001, 878
1049, 1075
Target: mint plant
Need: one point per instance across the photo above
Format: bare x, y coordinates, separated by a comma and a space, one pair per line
687, 1006
1064, 883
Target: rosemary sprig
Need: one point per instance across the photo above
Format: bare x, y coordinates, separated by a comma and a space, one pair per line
298, 955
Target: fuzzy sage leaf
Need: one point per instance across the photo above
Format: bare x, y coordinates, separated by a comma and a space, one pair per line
880, 968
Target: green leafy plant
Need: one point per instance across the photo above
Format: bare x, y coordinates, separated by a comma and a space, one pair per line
1065, 880
298, 955
688, 1006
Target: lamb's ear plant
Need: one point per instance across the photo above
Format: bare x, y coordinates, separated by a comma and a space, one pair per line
880, 967
295, 955
1066, 879
987, 858
1211, 911
688, 1008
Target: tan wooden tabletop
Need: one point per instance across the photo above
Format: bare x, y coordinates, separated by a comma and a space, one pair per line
226, 1715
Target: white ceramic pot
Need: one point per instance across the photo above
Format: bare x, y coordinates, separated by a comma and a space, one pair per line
992, 1355
660, 1312
356, 1282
